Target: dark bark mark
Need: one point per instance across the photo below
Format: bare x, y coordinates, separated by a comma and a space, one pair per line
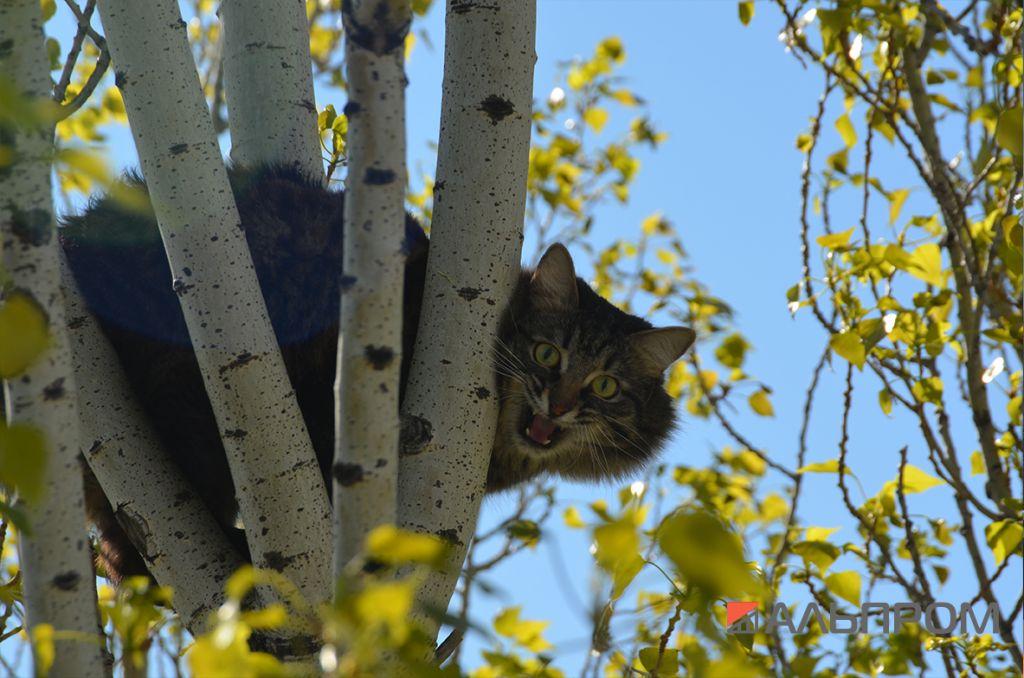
450, 536
496, 108
467, 6
241, 359
347, 474
482, 393
381, 463
76, 322
55, 390
378, 177
469, 293
120, 79
308, 105
237, 433
379, 357
277, 561
352, 108
31, 227
180, 287
67, 581
6, 48
416, 433
178, 149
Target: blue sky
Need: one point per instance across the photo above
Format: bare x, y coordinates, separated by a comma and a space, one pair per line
732, 101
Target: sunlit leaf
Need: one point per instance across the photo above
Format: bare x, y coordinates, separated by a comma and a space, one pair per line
1004, 537
846, 585
850, 346
24, 333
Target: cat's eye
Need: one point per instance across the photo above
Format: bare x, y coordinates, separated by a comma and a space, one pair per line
605, 386
546, 354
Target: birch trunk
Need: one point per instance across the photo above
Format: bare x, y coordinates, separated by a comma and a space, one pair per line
268, 84
370, 344
476, 240
269, 451
152, 500
55, 558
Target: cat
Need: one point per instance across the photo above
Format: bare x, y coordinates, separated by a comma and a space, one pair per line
579, 380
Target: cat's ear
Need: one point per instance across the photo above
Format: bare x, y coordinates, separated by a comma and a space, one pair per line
661, 347
553, 284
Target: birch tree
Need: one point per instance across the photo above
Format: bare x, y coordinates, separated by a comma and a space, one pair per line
59, 588
475, 247
151, 498
268, 84
268, 448
370, 343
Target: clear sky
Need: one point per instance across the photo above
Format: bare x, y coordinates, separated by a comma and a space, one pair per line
732, 101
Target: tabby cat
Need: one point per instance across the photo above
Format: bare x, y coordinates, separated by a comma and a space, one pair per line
580, 381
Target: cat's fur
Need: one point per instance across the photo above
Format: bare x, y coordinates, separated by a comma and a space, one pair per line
294, 230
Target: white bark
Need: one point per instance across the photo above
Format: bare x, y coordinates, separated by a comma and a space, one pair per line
59, 585
370, 344
269, 451
476, 239
179, 539
268, 84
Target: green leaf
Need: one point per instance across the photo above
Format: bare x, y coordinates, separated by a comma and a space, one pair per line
24, 333
830, 466
732, 351
760, 403
850, 346
597, 118
394, 546
524, 632
1008, 130
915, 480
926, 263
834, 241
977, 464
572, 518
706, 554
746, 12
896, 200
928, 390
664, 663
846, 130
1003, 537
819, 533
820, 553
49, 8
846, 585
885, 401
23, 453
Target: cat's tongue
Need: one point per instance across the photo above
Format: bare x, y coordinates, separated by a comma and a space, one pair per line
540, 429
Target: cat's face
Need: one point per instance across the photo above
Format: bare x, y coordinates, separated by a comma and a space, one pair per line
580, 380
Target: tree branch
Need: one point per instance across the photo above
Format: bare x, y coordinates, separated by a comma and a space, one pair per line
268, 83
475, 245
366, 435
55, 558
268, 449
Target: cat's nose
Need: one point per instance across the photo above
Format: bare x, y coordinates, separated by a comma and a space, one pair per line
559, 408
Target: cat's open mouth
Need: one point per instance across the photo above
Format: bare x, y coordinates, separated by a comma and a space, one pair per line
538, 430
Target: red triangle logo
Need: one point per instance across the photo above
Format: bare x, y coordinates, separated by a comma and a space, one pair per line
736, 610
